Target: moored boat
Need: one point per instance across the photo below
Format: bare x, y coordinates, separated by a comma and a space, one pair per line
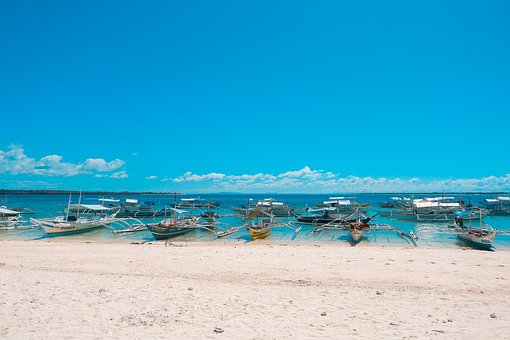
260, 232
479, 238
9, 219
196, 203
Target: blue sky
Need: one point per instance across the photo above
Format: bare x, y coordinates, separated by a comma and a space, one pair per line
296, 96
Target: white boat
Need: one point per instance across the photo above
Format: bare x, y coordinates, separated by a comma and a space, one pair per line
9, 219
343, 205
499, 205
267, 205
77, 218
61, 226
196, 202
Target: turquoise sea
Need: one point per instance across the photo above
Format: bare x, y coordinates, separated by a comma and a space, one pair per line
47, 205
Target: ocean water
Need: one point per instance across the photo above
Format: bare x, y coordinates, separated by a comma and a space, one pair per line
48, 205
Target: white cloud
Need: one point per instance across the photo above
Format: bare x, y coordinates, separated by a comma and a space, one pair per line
119, 174
191, 177
14, 161
151, 177
307, 180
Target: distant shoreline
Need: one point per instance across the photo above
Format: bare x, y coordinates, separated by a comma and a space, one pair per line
59, 192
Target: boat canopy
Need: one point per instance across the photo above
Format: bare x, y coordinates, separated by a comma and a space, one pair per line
8, 212
491, 200
131, 200
427, 204
193, 199
434, 199
321, 209
109, 200
400, 199
89, 207
338, 202
464, 213
337, 198
503, 198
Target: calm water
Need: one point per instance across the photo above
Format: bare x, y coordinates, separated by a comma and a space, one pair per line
53, 205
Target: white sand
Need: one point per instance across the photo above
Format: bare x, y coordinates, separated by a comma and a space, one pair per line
253, 291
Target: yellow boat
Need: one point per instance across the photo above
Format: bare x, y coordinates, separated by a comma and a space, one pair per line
261, 233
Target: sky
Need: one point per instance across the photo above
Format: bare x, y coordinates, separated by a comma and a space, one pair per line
255, 96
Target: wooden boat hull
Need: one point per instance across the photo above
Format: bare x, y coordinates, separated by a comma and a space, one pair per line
356, 236
480, 243
161, 233
260, 233
52, 230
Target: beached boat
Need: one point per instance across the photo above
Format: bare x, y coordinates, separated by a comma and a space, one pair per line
357, 228
77, 218
261, 223
476, 237
260, 231
171, 227
61, 226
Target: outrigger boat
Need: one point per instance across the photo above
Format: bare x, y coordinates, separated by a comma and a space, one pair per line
173, 226
433, 209
478, 238
357, 226
196, 203
262, 226
133, 208
9, 219
320, 216
394, 202
498, 206
77, 219
343, 205
267, 205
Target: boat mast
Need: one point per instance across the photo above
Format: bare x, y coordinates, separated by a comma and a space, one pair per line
79, 203
175, 207
68, 207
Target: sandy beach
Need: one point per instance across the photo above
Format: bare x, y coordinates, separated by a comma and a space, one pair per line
62, 289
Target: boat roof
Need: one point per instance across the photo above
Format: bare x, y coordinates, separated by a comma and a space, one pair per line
337, 198
503, 198
92, 207
5, 211
434, 199
400, 198
339, 202
321, 209
193, 199
109, 200
131, 200
428, 204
